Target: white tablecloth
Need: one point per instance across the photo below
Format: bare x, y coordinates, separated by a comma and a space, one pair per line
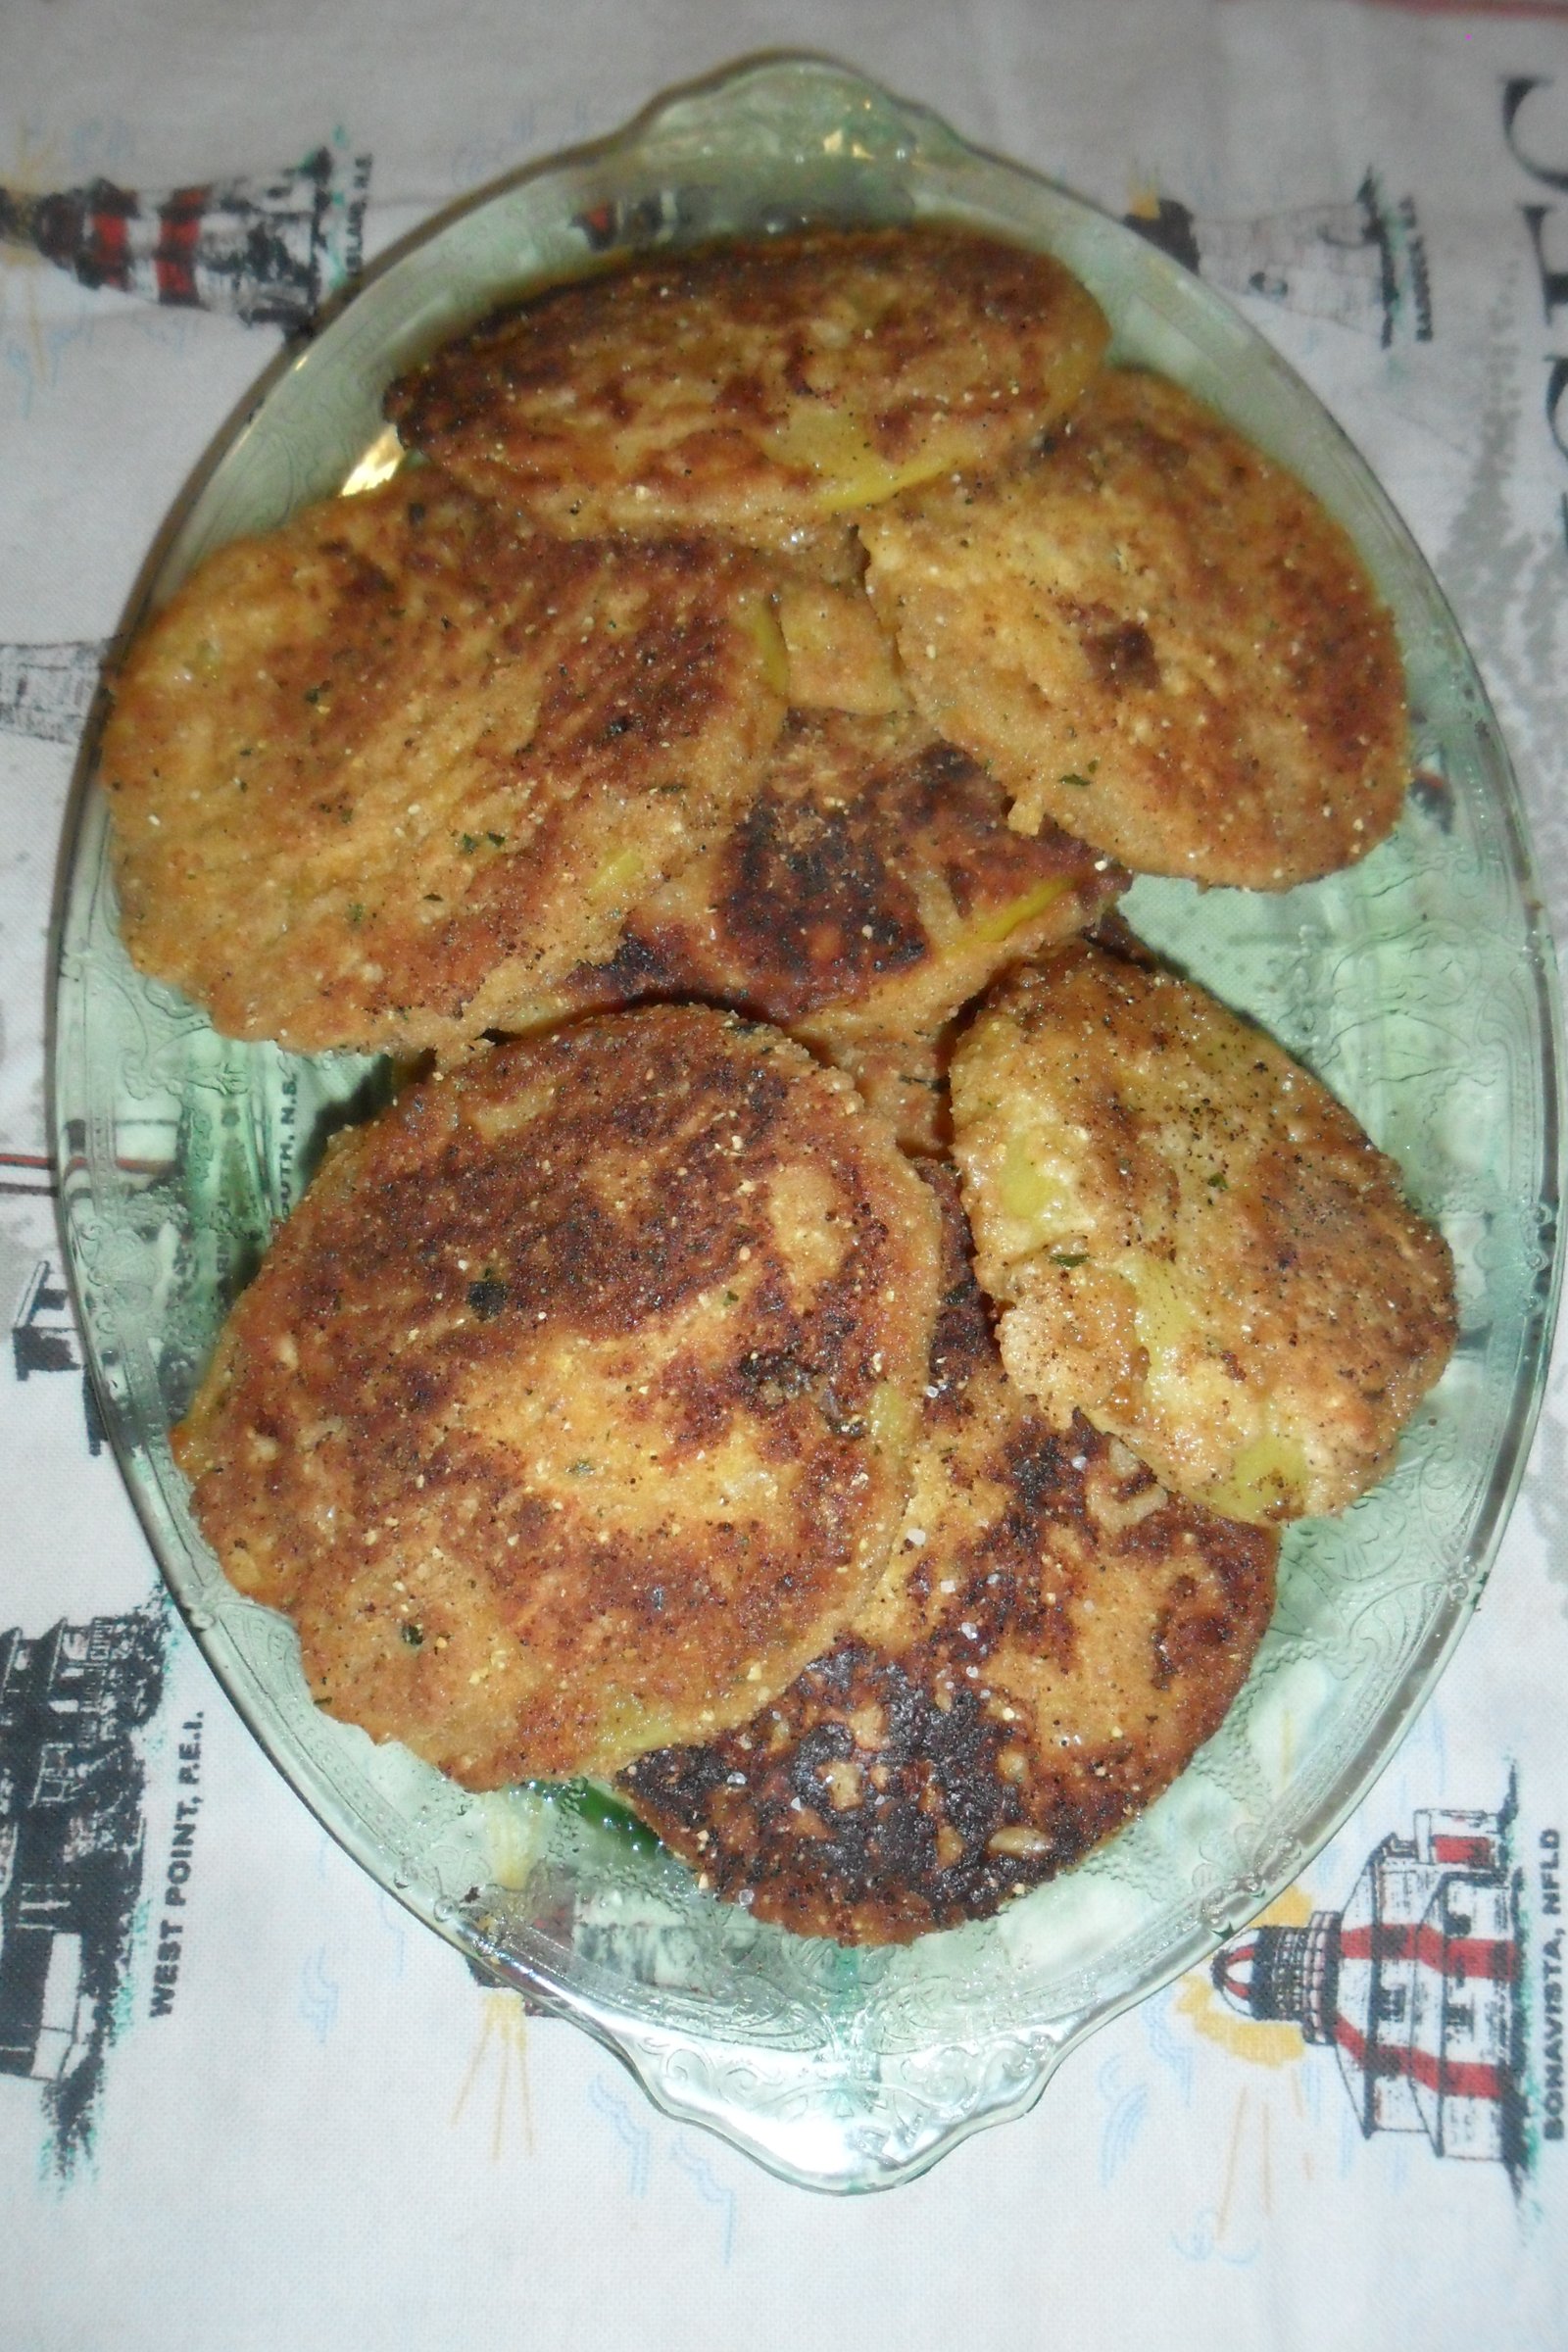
311, 2126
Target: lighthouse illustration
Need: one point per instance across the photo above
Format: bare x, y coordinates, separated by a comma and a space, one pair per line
72, 1832
267, 251
1414, 1986
1360, 263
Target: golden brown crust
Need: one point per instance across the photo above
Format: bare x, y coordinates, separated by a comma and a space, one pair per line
576, 1415
1159, 639
763, 389
841, 655
1195, 1244
571, 1411
1053, 1639
381, 773
870, 888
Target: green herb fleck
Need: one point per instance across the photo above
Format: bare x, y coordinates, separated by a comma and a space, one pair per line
356, 913
413, 1635
1078, 783
1069, 1258
469, 842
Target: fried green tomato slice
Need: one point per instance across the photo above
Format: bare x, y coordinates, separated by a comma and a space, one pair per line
765, 389
376, 774
870, 888
571, 1411
1053, 1639
1191, 1240
1158, 638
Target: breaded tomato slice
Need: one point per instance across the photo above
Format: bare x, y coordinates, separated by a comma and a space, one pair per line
767, 388
1191, 1240
571, 1411
1053, 1639
381, 772
1158, 638
870, 888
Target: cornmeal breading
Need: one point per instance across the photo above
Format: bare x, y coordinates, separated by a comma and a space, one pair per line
1193, 1244
571, 1411
801, 635
872, 887
1053, 1638
841, 656
383, 773
1158, 638
761, 389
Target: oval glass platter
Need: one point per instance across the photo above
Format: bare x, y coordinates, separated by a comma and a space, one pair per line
1419, 986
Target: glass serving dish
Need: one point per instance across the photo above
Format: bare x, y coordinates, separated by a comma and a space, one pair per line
1420, 986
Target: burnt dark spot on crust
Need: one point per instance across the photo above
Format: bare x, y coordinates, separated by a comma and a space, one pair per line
774, 1375
1046, 1656
870, 888
869, 1844
1123, 656
810, 905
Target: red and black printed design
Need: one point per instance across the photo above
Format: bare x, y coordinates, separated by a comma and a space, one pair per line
665, 217
1415, 1986
267, 251
682, 215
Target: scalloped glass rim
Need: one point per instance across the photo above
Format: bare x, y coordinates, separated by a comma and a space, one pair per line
1421, 987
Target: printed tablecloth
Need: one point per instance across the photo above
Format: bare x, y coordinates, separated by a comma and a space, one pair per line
301, 2121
